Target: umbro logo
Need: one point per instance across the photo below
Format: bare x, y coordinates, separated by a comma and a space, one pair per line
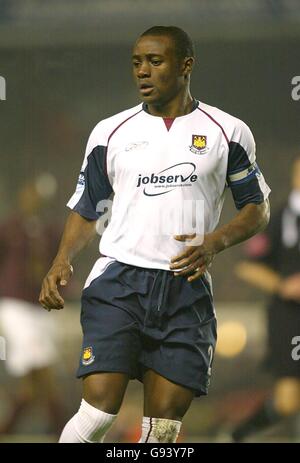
137, 145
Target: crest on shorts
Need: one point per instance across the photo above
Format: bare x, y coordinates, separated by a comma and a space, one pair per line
199, 144
87, 356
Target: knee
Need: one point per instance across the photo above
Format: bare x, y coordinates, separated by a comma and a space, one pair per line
169, 410
101, 400
102, 394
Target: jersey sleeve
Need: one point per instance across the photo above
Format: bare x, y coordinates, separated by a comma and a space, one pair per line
244, 177
93, 184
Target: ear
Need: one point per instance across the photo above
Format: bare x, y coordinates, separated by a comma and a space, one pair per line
188, 66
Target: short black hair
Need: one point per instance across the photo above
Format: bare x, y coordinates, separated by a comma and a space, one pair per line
184, 47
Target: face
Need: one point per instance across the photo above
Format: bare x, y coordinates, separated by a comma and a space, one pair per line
296, 175
156, 70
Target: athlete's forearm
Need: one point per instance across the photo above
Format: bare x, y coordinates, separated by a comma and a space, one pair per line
252, 219
259, 275
78, 232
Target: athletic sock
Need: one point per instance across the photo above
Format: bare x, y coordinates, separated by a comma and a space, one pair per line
88, 425
158, 430
265, 416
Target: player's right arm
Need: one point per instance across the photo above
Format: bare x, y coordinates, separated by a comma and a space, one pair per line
259, 275
262, 268
78, 232
268, 280
93, 186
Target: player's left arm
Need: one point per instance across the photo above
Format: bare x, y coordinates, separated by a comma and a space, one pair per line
250, 194
194, 260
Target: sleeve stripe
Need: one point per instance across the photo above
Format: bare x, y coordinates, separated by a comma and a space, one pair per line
242, 175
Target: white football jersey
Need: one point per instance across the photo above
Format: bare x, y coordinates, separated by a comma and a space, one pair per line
164, 177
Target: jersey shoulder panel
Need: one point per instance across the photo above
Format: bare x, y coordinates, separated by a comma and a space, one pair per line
102, 131
233, 127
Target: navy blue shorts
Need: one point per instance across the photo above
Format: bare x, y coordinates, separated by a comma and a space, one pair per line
136, 318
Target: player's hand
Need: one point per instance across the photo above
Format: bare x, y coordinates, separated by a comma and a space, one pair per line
59, 273
290, 288
195, 258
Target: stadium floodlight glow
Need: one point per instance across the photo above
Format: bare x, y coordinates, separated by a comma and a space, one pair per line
232, 339
46, 185
2, 88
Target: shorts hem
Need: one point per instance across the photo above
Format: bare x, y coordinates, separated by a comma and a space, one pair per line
103, 369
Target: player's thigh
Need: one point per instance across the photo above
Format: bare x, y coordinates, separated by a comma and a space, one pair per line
105, 390
111, 329
165, 399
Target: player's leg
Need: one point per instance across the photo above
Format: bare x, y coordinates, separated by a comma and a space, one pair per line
105, 391
111, 345
20, 398
165, 404
18, 332
264, 416
102, 398
284, 402
285, 398
48, 392
178, 352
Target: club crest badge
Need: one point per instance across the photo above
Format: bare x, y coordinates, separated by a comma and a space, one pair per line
87, 356
199, 144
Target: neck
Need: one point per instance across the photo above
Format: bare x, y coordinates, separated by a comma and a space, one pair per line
179, 106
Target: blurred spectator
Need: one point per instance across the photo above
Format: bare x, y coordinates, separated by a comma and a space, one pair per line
26, 248
273, 265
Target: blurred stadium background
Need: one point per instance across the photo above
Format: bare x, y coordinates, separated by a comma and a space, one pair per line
67, 65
